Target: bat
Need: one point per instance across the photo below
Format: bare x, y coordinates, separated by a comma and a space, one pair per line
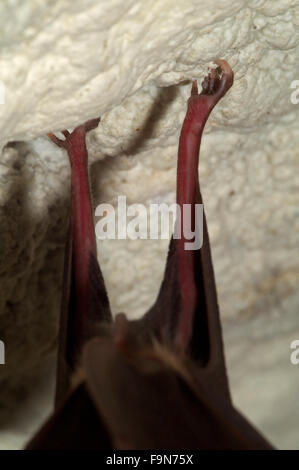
159, 382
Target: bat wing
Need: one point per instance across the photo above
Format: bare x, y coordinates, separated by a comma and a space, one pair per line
205, 344
147, 405
75, 425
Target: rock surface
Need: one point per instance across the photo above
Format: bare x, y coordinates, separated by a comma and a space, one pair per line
62, 63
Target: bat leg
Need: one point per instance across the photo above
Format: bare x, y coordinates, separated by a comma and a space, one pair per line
85, 302
186, 313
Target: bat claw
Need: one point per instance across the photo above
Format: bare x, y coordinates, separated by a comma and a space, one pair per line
56, 140
86, 127
218, 80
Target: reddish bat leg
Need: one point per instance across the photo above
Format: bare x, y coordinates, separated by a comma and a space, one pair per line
159, 382
214, 87
84, 302
186, 310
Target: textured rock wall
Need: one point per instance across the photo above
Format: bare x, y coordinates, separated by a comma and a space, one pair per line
131, 62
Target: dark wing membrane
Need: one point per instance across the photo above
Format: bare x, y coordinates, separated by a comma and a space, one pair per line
64, 361
205, 345
75, 425
147, 405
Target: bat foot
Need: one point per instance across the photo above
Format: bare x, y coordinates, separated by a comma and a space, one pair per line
217, 82
83, 128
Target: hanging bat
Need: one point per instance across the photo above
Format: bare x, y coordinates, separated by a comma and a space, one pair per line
159, 382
